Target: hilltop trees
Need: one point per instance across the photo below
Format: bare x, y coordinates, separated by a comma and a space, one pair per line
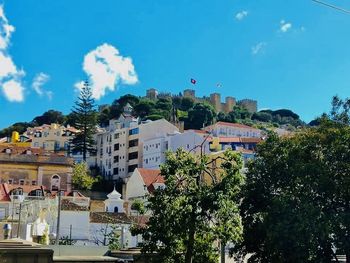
200, 115
86, 121
198, 207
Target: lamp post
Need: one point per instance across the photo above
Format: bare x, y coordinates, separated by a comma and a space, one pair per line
58, 217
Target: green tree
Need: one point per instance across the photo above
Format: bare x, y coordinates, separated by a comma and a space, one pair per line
118, 104
296, 199
200, 115
81, 178
198, 207
50, 116
18, 127
144, 107
86, 121
262, 116
186, 103
114, 238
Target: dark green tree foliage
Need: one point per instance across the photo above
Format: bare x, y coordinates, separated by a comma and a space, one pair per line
51, 116
104, 116
200, 116
296, 204
118, 105
238, 114
195, 209
86, 122
340, 111
19, 127
144, 108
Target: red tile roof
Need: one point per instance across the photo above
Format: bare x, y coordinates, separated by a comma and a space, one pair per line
5, 190
20, 149
150, 176
236, 125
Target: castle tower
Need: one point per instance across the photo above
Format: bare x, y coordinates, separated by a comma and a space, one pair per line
230, 102
152, 94
215, 100
190, 93
250, 105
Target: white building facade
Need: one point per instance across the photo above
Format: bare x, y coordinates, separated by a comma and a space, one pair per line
120, 146
226, 129
154, 150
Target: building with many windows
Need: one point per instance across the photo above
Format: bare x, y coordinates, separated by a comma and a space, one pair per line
53, 137
30, 167
226, 129
120, 145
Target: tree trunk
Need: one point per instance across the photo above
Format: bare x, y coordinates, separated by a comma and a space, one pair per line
190, 246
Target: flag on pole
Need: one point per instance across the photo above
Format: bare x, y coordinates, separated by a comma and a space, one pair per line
193, 81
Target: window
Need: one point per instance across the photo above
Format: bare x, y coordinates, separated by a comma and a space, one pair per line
21, 182
133, 155
115, 171
116, 135
134, 131
116, 159
116, 209
36, 144
131, 168
10, 181
33, 182
146, 160
18, 191
133, 143
116, 147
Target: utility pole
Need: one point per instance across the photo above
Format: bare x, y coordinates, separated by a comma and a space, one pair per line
58, 218
19, 220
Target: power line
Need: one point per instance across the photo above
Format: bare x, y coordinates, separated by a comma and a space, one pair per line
332, 6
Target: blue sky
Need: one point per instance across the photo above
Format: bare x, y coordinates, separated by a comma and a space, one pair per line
291, 54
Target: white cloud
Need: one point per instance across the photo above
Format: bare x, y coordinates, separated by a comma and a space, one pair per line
258, 48
10, 75
240, 15
284, 26
38, 82
106, 69
13, 90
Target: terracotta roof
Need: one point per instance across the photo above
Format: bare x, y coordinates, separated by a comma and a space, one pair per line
112, 218
236, 125
18, 155
70, 205
251, 140
5, 190
19, 149
150, 176
229, 139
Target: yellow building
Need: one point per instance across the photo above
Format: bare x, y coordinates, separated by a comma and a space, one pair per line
28, 166
17, 140
52, 137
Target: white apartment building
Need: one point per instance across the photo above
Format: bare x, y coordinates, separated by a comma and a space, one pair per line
155, 148
226, 129
120, 146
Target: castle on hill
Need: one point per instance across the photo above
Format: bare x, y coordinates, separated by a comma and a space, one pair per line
214, 99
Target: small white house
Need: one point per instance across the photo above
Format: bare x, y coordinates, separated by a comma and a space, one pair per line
114, 203
143, 182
